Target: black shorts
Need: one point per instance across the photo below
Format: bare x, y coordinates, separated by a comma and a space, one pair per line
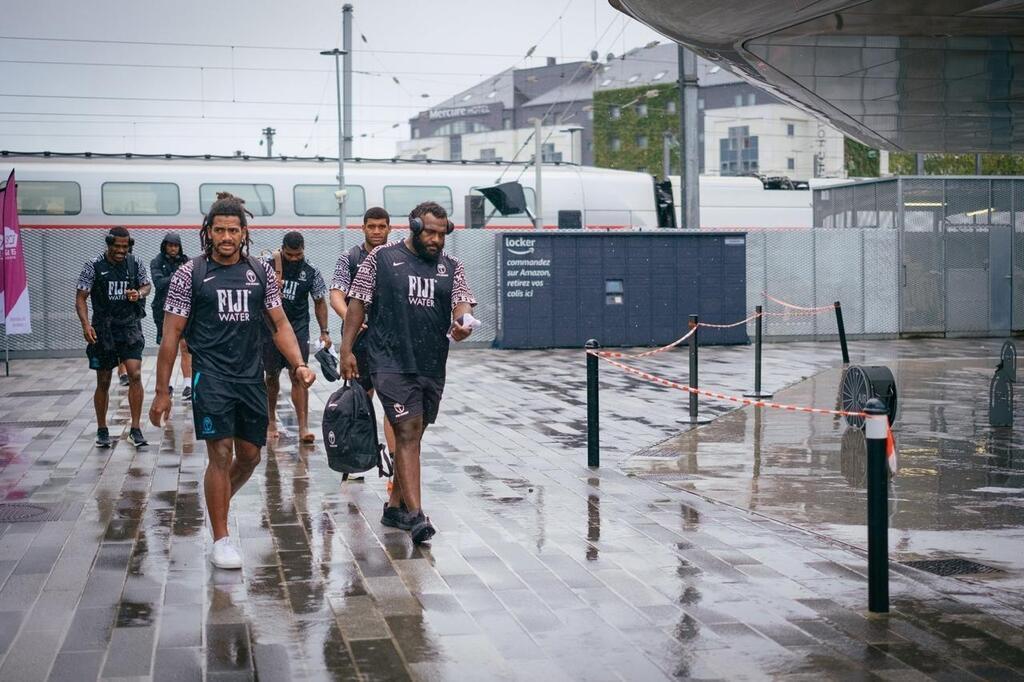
409, 395
114, 345
229, 409
158, 320
274, 361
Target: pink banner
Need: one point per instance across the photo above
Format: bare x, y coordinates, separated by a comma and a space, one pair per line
17, 314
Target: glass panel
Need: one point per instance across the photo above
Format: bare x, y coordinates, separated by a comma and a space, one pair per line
140, 198
258, 198
399, 200
319, 200
49, 198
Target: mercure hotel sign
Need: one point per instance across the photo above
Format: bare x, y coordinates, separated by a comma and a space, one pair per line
457, 112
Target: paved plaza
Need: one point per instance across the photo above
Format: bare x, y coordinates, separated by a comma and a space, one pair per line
661, 564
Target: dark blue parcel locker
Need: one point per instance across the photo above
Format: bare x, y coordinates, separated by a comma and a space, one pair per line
623, 289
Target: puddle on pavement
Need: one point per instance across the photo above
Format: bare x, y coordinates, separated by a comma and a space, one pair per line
960, 488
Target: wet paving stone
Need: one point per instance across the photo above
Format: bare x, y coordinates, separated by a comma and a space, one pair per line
542, 569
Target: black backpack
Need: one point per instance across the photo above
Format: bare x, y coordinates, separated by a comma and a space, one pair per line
350, 433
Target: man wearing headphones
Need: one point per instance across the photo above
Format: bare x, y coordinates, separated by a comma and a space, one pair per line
418, 296
116, 282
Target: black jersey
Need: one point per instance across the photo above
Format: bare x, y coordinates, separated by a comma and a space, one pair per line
412, 300
299, 281
108, 284
226, 317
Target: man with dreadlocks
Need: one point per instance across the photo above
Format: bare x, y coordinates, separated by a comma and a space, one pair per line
214, 301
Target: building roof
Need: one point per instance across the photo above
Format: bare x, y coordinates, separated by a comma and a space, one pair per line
581, 89
497, 88
655, 65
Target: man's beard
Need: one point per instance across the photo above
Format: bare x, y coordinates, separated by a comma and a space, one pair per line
422, 252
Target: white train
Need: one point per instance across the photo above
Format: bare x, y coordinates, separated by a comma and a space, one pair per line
99, 191
166, 193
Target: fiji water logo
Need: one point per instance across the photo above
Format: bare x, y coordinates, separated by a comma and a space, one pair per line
331, 439
289, 289
233, 305
207, 425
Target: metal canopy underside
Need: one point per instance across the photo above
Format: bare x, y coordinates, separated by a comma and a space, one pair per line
927, 76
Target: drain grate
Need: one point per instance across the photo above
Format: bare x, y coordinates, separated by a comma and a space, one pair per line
37, 424
23, 512
949, 567
41, 393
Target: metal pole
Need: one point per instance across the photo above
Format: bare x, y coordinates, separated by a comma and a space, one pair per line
977, 164
842, 332
690, 157
758, 339
346, 45
919, 159
341, 148
593, 437
693, 380
876, 430
666, 155
269, 133
538, 161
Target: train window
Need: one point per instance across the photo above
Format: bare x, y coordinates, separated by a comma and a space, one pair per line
36, 197
400, 199
258, 198
140, 198
531, 201
319, 200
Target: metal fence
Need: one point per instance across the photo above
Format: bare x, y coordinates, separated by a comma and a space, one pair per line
54, 259
812, 268
961, 246
809, 268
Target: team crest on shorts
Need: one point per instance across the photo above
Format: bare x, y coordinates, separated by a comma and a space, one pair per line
207, 425
400, 410
331, 439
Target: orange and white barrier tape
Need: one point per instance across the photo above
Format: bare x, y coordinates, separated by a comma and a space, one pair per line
792, 306
615, 354
731, 324
647, 376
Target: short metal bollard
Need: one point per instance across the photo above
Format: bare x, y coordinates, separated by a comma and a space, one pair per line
876, 431
593, 437
758, 340
693, 380
842, 332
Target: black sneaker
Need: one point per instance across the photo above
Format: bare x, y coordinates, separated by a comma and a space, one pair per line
103, 438
396, 517
123, 378
170, 390
136, 438
186, 393
422, 529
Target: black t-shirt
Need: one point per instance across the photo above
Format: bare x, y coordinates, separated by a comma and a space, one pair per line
412, 300
226, 318
108, 284
299, 281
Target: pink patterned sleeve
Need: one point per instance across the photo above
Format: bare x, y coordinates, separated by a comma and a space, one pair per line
461, 293
179, 292
272, 295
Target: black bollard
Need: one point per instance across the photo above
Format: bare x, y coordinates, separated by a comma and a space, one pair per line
593, 438
693, 380
842, 333
876, 431
758, 338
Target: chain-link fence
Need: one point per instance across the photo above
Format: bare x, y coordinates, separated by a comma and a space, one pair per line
55, 257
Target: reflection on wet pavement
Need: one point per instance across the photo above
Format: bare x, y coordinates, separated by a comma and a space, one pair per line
543, 568
960, 488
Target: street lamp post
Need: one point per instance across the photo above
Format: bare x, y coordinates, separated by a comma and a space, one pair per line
340, 194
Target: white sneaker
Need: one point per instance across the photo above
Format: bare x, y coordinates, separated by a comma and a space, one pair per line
225, 555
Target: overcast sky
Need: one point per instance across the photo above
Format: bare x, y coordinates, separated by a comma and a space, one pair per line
205, 77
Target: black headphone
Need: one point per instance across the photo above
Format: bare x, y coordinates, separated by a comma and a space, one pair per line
110, 237
416, 225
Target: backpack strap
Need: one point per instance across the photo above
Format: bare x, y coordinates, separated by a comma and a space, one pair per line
199, 268
278, 267
353, 263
